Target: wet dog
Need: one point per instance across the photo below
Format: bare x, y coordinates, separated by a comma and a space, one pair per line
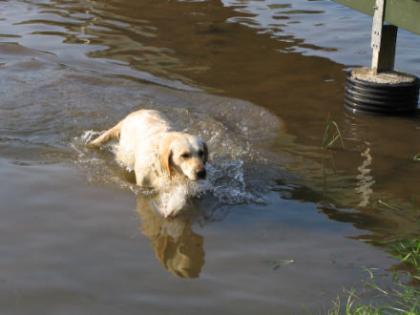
158, 154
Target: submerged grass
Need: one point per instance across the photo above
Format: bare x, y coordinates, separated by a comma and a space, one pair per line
401, 299
408, 252
351, 307
332, 134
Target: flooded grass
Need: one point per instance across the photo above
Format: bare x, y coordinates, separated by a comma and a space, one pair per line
351, 308
332, 135
402, 298
402, 301
408, 251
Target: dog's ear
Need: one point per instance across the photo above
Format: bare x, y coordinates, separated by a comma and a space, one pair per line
165, 155
205, 152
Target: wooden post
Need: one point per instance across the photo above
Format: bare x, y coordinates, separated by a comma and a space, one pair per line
384, 38
379, 89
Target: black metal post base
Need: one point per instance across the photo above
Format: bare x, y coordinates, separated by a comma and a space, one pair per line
391, 93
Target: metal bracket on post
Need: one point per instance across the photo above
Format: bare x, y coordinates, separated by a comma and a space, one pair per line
383, 41
380, 89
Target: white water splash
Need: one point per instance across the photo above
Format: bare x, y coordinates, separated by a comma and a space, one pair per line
225, 181
88, 136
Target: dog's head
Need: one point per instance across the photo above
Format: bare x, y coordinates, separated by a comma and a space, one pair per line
184, 154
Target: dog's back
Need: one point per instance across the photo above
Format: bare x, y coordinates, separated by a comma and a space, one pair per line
139, 136
161, 158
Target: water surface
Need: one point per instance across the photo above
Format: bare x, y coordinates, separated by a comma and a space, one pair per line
287, 223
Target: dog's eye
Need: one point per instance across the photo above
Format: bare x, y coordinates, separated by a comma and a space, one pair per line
200, 153
185, 155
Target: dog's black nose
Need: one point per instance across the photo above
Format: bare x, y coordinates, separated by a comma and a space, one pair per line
201, 174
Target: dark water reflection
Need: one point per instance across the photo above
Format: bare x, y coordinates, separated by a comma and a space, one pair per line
258, 80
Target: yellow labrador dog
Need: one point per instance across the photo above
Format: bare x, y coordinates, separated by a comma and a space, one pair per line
150, 146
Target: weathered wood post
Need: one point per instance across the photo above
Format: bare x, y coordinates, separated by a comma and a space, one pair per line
379, 88
383, 42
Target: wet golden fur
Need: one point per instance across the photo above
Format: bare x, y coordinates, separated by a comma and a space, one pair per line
149, 145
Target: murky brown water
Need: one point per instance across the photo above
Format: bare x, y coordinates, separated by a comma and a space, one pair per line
285, 225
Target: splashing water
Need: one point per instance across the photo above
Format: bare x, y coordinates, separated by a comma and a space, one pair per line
225, 181
88, 135
172, 200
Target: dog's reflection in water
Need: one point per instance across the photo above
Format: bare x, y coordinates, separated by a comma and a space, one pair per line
176, 245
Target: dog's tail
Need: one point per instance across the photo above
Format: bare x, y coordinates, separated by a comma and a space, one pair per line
111, 134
